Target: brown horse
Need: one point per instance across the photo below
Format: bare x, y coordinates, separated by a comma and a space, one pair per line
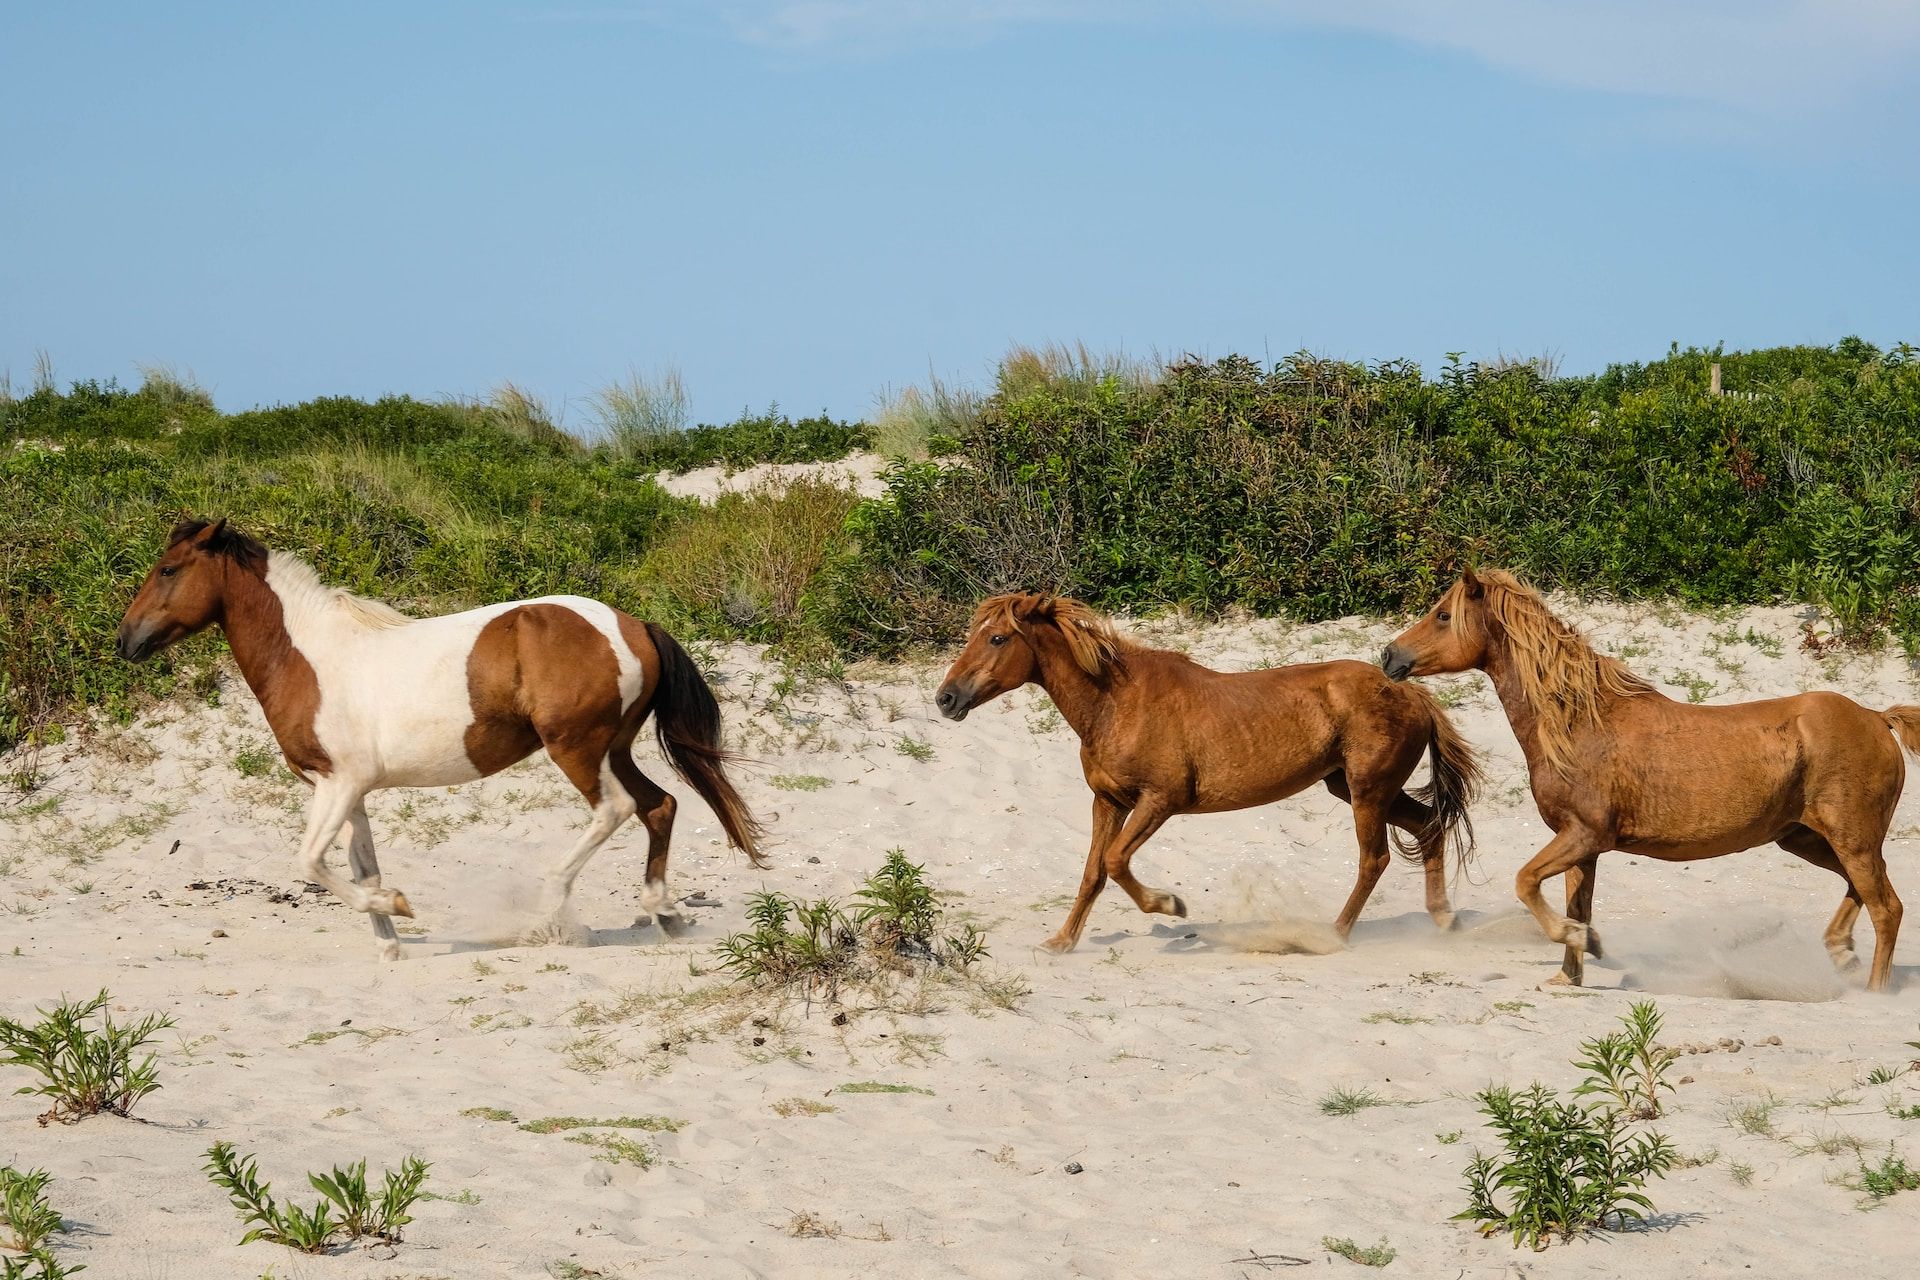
361, 697
1161, 734
1617, 765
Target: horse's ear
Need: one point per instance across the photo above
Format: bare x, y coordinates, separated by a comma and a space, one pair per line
1471, 581
184, 530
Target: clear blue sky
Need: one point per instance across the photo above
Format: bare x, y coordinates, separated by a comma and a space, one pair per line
809, 202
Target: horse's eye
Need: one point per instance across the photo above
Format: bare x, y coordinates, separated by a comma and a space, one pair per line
170, 570
1444, 616
996, 639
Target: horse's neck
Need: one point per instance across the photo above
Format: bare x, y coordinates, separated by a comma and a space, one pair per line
254, 618
1083, 701
1522, 715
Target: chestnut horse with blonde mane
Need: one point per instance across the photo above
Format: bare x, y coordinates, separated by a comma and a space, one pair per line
1615, 764
1162, 735
362, 697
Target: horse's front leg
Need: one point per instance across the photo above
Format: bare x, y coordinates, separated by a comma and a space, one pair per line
1569, 849
366, 873
333, 803
1107, 819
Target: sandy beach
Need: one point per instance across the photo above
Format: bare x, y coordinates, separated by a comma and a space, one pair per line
1181, 1065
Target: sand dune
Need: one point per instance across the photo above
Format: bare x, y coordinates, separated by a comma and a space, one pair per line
1180, 1064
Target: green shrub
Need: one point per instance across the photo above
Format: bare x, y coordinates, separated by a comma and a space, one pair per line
1320, 488
1567, 1167
82, 1069
816, 947
347, 1208
758, 437
742, 567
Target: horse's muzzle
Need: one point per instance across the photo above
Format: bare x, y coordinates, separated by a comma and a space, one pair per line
1396, 662
953, 704
135, 644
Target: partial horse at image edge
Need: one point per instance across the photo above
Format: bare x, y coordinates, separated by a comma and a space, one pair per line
1616, 764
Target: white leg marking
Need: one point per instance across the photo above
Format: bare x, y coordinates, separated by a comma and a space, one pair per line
615, 807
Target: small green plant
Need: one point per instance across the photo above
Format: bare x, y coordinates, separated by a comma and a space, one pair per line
1345, 1102
562, 1124
253, 760
799, 781
894, 925
898, 907
1883, 1075
1450, 1137
346, 1208
29, 1219
1904, 1113
615, 1149
49, 1267
83, 1070
1368, 1255
1628, 1066
1572, 1167
1890, 1177
1755, 1118
1742, 1174
914, 748
875, 1086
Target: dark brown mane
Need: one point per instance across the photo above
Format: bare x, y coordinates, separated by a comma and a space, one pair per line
225, 541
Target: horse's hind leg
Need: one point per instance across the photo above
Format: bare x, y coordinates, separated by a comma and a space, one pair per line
1412, 817
366, 874
1812, 847
1867, 872
588, 767
656, 809
1370, 830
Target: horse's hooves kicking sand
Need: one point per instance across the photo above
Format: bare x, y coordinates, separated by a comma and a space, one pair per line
1162, 735
361, 697
1616, 764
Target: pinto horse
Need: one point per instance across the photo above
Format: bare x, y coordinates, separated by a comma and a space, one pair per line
1162, 735
362, 697
1615, 764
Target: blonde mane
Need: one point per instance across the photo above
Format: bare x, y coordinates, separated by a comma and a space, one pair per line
1564, 678
297, 583
1095, 644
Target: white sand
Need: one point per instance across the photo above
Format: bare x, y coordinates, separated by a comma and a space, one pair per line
1181, 1063
857, 471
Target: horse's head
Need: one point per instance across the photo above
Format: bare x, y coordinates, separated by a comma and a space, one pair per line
999, 655
1452, 637
186, 591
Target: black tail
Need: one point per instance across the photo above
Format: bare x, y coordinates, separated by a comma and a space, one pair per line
1456, 780
686, 720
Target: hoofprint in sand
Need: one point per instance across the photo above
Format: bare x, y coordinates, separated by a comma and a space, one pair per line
1181, 1064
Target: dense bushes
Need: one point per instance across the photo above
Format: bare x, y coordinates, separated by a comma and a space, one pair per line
1323, 488
758, 437
1312, 487
435, 506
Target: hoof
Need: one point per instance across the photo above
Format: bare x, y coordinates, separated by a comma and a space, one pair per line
389, 902
1443, 921
1058, 945
1175, 906
1593, 944
1845, 961
673, 924
390, 951
1560, 980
